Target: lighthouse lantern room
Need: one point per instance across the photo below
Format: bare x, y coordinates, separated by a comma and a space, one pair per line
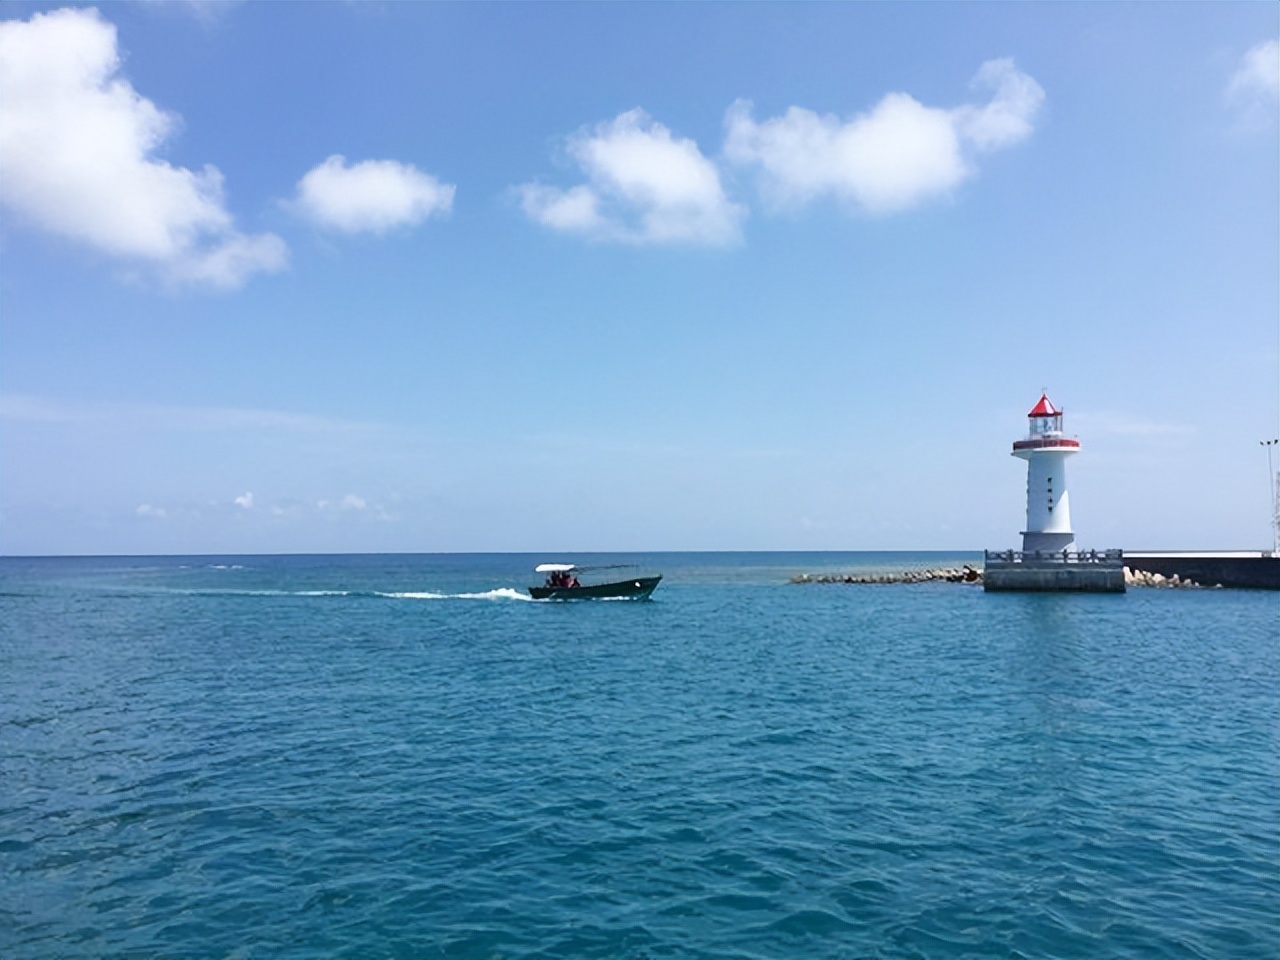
1048, 507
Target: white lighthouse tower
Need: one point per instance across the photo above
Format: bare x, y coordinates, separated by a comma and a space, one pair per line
1048, 507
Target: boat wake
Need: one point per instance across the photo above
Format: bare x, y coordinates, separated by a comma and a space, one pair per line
502, 593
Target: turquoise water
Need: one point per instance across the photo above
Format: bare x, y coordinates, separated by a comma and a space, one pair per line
402, 756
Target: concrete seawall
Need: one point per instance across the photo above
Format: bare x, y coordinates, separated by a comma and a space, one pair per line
1238, 568
1060, 579
1093, 572
1065, 572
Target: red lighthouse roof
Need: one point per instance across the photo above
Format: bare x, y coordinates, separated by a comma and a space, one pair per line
1044, 408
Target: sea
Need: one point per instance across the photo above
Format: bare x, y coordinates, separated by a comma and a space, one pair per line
405, 756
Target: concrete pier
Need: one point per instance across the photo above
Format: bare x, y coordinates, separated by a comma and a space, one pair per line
1259, 570
1084, 571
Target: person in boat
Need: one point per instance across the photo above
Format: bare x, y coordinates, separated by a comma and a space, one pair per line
562, 579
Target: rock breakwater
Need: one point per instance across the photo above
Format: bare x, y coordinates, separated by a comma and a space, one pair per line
967, 574
1143, 578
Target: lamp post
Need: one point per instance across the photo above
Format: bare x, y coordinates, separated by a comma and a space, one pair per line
1273, 506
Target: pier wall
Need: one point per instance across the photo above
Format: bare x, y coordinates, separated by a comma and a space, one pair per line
1229, 569
1066, 572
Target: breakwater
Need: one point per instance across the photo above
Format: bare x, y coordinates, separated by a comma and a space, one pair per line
1144, 578
972, 575
965, 574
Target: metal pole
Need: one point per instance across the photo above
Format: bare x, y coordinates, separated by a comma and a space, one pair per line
1273, 505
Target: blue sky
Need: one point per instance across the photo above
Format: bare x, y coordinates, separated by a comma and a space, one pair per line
663, 276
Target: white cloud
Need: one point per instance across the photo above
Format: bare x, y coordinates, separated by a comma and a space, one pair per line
20, 408
643, 186
574, 210
1258, 75
350, 508
77, 150
77, 147
892, 158
1006, 119
899, 155
372, 196
232, 260
206, 11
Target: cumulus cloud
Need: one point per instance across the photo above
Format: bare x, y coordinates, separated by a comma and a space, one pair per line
644, 185
147, 510
1258, 76
372, 196
78, 145
1006, 118
896, 156
245, 500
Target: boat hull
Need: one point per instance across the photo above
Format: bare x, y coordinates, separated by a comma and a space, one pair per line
638, 588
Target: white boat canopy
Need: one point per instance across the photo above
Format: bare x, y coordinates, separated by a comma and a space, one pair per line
554, 568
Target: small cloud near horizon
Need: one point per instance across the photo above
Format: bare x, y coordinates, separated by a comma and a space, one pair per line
22, 408
353, 507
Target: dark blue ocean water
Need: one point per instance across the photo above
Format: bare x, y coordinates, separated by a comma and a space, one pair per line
377, 756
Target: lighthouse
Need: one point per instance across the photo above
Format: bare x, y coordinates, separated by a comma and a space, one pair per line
1049, 560
1048, 506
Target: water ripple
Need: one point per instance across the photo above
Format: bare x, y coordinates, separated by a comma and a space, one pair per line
213, 767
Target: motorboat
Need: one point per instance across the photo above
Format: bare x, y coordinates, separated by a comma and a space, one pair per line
563, 583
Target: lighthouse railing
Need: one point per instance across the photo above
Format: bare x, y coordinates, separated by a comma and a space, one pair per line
1110, 557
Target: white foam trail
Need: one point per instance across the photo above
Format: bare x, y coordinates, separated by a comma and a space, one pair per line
502, 593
